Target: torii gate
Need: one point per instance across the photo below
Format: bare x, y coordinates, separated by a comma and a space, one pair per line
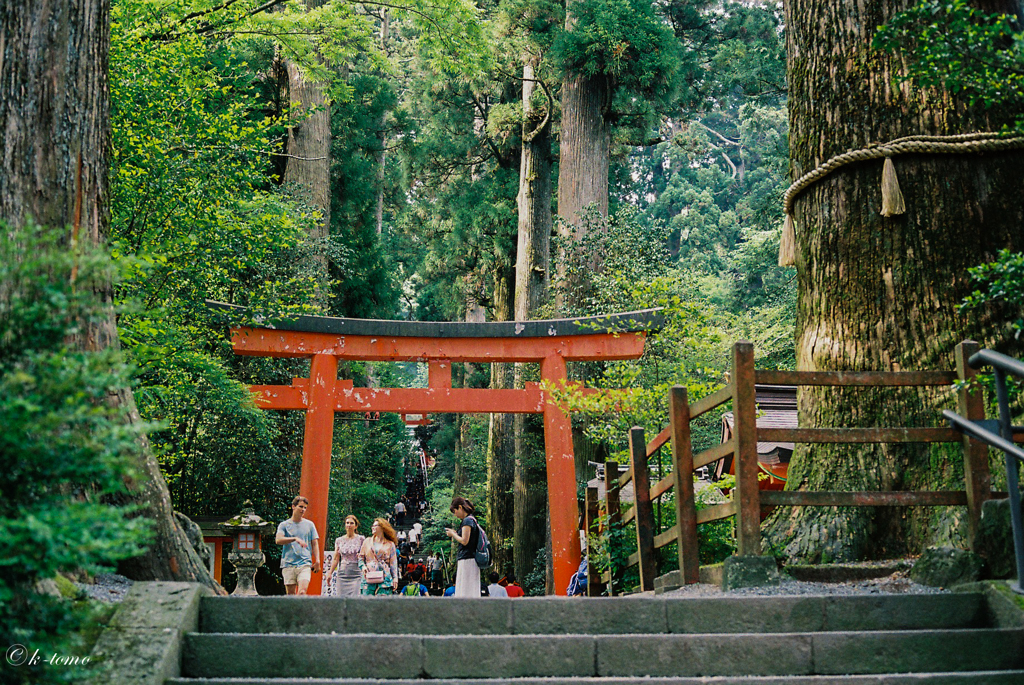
552, 343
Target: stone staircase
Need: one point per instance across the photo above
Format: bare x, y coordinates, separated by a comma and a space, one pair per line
949, 638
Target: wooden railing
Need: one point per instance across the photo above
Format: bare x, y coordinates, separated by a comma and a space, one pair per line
747, 498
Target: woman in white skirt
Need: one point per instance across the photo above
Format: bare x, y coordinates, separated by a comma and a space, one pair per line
467, 573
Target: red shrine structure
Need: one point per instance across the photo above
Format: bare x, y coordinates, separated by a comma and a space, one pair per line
551, 343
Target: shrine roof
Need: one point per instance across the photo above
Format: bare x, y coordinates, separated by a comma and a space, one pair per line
624, 322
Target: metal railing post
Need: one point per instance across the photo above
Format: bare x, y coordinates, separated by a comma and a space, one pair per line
1012, 481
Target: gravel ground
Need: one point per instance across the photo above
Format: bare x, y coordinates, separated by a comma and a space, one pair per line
897, 583
108, 587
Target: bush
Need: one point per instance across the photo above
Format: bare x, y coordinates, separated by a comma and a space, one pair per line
63, 447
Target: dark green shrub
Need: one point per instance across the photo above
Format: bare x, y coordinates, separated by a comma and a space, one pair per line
62, 446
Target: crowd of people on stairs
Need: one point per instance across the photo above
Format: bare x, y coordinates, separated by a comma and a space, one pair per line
390, 561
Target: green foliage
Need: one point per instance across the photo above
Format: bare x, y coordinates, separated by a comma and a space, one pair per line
969, 52
194, 217
609, 550
63, 447
715, 538
1001, 281
624, 40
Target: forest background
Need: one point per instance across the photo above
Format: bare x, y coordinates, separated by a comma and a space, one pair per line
385, 160
425, 109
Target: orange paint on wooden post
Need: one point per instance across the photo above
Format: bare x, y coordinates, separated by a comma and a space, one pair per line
563, 509
316, 449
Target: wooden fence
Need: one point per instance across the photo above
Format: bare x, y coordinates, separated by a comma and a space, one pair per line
747, 498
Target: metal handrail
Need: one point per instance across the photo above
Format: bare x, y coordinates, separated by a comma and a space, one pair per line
1001, 365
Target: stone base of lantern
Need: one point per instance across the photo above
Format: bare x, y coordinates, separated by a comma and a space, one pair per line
246, 564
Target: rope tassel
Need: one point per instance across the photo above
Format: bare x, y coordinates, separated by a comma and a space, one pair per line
892, 198
787, 246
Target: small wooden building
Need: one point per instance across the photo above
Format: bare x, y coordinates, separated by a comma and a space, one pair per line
776, 408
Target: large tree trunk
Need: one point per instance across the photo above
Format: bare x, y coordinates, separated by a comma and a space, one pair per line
584, 154
533, 276
55, 133
881, 293
500, 438
308, 164
385, 25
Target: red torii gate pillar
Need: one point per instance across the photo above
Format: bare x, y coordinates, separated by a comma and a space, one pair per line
552, 343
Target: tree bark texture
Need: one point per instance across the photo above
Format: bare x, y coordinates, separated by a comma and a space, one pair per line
533, 254
533, 280
500, 437
584, 144
583, 163
309, 146
385, 26
55, 134
881, 293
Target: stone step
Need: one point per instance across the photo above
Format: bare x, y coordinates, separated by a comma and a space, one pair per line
974, 678
232, 655
599, 616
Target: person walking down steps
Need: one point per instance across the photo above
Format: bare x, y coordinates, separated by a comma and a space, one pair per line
346, 559
300, 555
378, 561
467, 573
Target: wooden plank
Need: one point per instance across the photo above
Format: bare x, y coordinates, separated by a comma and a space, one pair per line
716, 511
659, 440
857, 435
784, 498
667, 537
629, 515
632, 560
682, 474
642, 507
626, 477
611, 491
706, 404
611, 508
663, 486
744, 407
971, 406
857, 378
714, 454
594, 584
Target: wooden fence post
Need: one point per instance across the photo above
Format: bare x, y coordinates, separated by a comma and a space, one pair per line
644, 510
611, 491
747, 495
611, 508
594, 584
977, 476
682, 471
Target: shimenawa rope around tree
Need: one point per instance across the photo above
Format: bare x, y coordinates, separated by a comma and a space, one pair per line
892, 198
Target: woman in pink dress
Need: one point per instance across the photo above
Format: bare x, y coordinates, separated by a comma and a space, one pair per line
346, 559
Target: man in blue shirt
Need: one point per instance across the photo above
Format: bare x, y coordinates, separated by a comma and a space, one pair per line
301, 553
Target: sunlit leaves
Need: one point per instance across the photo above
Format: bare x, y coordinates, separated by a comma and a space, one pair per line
975, 54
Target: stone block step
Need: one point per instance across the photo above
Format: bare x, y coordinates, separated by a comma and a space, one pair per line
623, 656
559, 616
974, 678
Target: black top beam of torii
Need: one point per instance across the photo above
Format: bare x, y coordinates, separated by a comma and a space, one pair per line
649, 320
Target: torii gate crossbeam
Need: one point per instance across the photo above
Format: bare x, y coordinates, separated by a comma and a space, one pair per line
552, 343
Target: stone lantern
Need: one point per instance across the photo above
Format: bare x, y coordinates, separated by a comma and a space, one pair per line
247, 530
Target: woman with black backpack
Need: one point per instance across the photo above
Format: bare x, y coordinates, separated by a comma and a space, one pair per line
467, 573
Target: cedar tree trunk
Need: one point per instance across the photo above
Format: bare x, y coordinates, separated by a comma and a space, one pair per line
882, 293
533, 276
500, 438
308, 164
55, 133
